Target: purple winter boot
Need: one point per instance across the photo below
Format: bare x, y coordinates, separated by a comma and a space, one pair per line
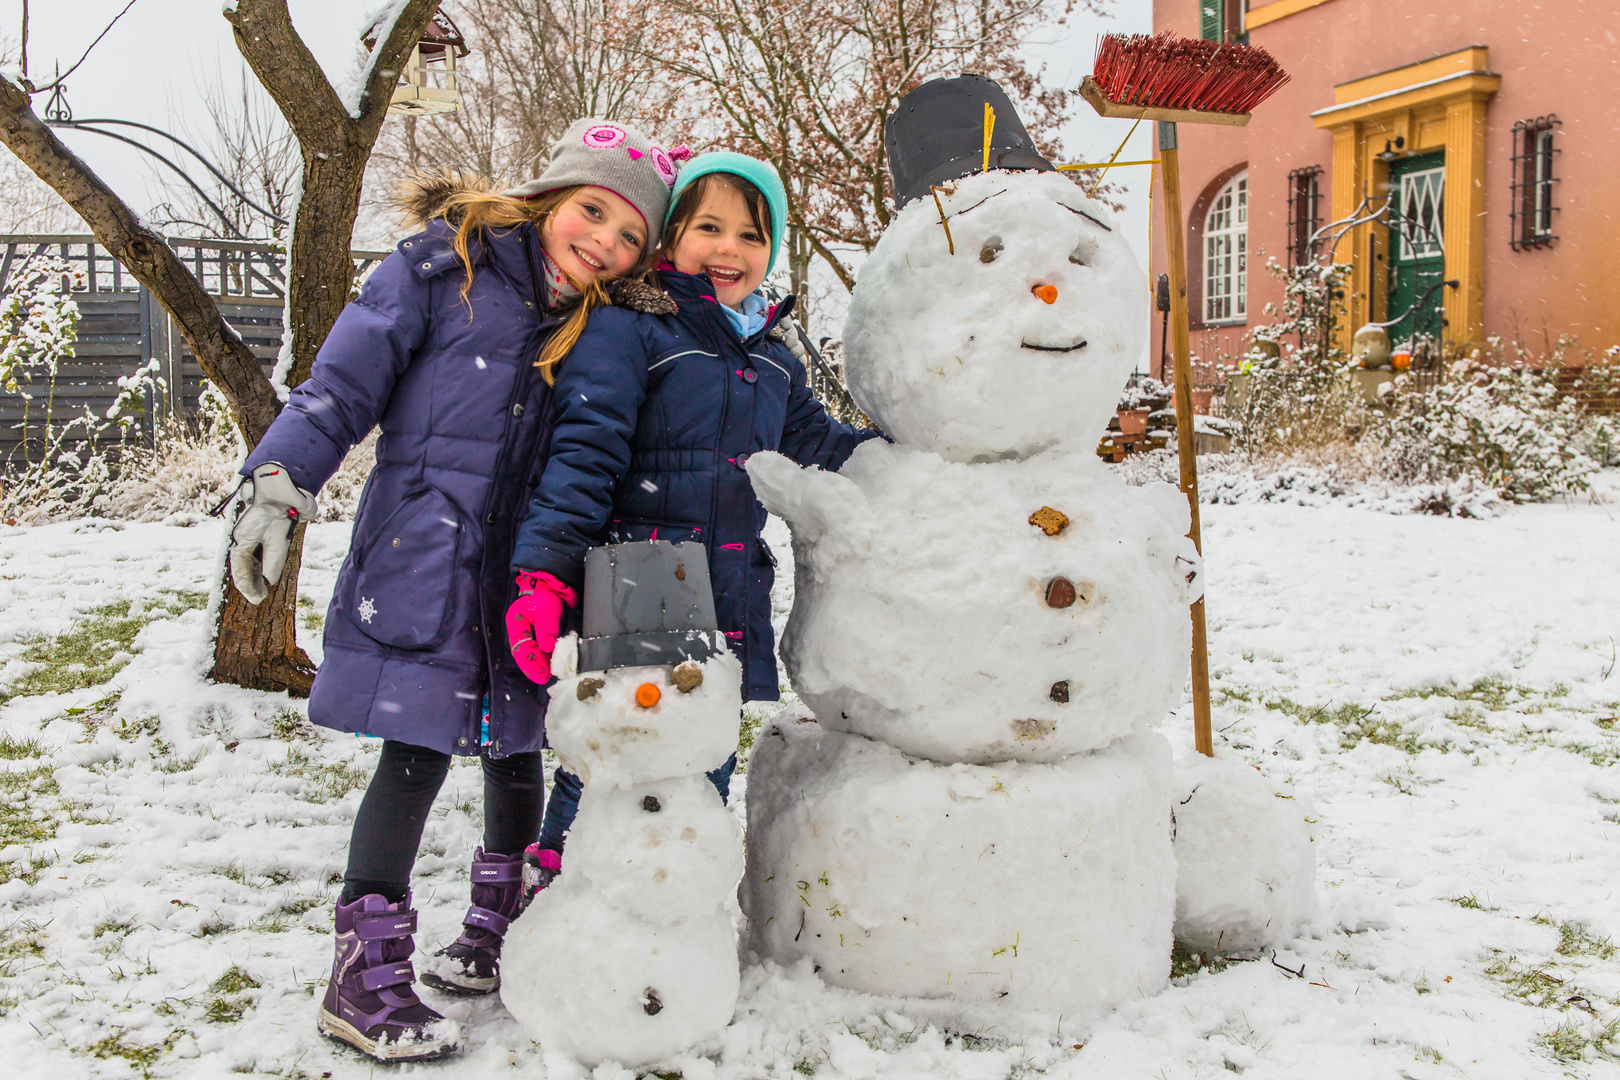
472, 963
370, 1002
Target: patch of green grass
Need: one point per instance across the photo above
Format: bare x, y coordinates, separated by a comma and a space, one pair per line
310, 617
234, 871
1575, 939
289, 725
1185, 962
1531, 985
1355, 723
322, 782
1471, 902
1491, 692
95, 648
1569, 1041
289, 913
16, 749
142, 1057
120, 926
27, 799
19, 941
234, 981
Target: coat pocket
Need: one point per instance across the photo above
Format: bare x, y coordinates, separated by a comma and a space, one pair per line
625, 530
403, 590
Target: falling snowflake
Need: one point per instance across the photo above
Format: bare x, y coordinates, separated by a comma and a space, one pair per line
366, 609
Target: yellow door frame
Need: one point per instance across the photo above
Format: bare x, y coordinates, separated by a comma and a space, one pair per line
1436, 104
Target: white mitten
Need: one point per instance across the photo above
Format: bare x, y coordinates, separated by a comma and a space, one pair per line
261, 534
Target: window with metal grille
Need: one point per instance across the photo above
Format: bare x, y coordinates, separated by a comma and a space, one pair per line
1226, 253
1304, 213
1531, 208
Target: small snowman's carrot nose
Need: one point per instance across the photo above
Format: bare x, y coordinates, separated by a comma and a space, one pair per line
1047, 293
647, 695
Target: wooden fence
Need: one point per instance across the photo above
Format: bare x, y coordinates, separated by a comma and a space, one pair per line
122, 326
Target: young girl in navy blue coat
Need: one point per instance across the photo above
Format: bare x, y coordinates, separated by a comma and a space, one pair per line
440, 349
656, 417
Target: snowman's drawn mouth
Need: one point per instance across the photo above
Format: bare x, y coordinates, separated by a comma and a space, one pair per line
1052, 348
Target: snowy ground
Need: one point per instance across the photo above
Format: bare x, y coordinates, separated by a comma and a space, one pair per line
1444, 690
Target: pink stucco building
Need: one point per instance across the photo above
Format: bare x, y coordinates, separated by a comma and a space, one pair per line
1488, 128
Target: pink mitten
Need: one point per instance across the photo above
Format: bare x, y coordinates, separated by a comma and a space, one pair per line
533, 620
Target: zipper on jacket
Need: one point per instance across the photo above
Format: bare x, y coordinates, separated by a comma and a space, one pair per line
520, 385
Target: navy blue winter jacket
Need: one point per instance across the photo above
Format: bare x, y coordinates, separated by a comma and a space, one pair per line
655, 418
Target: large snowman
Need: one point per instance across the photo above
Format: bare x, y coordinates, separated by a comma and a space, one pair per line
986, 620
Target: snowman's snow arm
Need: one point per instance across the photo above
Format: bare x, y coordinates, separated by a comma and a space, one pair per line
810, 500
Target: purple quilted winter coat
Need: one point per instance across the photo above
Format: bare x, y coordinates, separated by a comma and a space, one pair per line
415, 634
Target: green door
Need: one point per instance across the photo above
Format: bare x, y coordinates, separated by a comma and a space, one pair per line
1417, 257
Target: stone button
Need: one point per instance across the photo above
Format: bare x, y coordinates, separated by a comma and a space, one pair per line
651, 804
1059, 592
1060, 692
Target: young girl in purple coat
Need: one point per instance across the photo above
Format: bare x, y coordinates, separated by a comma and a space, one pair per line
440, 350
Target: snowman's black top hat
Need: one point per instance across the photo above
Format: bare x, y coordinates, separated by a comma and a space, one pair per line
937, 134
648, 602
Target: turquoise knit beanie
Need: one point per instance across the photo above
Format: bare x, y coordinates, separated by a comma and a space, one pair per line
759, 173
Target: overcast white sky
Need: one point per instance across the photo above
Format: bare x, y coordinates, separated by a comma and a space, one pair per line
149, 68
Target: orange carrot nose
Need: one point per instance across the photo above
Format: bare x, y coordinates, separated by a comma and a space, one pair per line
647, 695
1047, 293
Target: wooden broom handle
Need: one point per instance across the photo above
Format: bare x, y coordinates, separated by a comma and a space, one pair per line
1175, 245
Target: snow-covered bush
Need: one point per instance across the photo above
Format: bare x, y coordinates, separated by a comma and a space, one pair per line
1295, 390
1506, 426
56, 465
193, 467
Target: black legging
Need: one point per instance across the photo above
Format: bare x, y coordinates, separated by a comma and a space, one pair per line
388, 828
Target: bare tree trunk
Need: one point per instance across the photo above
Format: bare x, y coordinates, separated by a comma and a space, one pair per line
335, 146
257, 645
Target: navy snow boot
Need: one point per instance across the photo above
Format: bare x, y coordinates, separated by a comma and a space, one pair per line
472, 963
371, 1003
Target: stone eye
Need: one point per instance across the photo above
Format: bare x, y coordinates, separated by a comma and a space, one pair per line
992, 248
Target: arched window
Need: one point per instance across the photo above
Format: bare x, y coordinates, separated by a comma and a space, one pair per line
1226, 253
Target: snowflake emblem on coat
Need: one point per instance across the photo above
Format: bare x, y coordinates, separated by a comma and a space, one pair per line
366, 609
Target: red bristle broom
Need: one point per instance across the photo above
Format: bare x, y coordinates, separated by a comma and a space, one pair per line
1175, 80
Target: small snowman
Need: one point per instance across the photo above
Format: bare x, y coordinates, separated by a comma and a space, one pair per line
986, 621
630, 955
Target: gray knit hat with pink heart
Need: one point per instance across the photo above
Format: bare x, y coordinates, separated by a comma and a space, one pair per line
608, 154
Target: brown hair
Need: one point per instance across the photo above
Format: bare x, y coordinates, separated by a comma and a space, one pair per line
691, 201
474, 211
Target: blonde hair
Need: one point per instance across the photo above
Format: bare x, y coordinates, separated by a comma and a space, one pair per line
474, 211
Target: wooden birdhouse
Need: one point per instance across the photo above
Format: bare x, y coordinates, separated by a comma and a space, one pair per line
428, 83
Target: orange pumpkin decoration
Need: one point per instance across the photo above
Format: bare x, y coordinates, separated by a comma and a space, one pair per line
1401, 361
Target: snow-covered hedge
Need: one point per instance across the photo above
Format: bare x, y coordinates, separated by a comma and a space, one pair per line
1508, 427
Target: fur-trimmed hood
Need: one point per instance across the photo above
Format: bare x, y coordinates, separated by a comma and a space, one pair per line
421, 198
